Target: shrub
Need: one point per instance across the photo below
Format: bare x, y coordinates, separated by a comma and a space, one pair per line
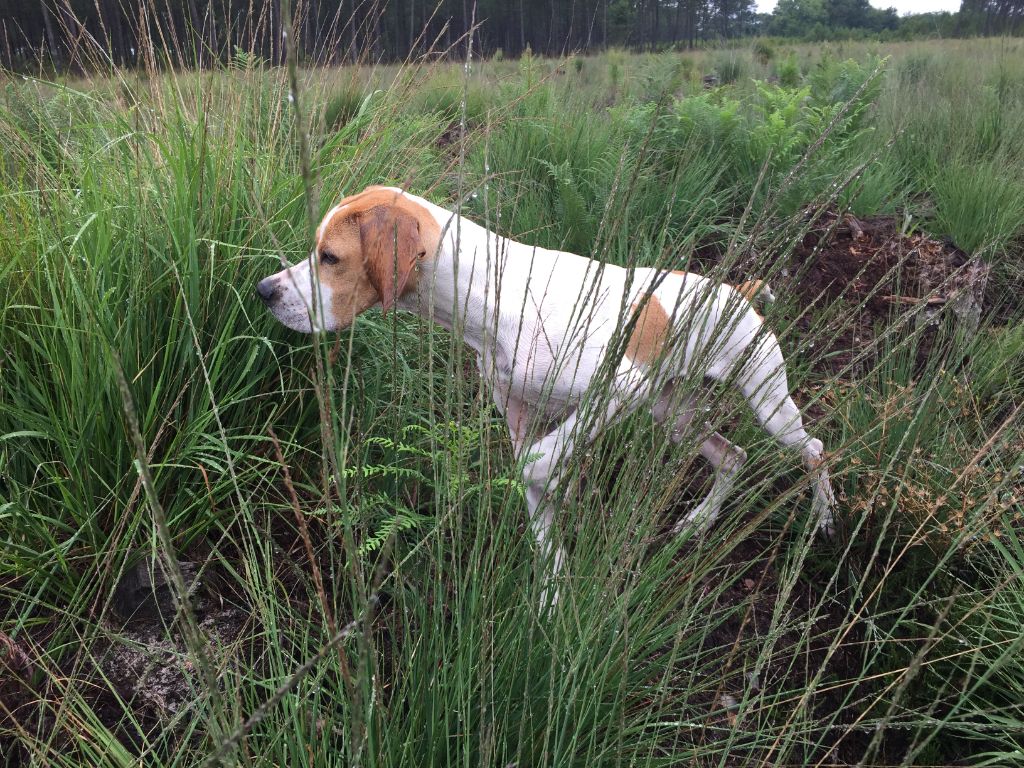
616, 66
444, 95
837, 82
731, 66
527, 66
876, 191
979, 205
763, 52
788, 71
663, 78
915, 67
343, 105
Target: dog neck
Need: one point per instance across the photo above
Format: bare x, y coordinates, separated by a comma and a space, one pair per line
459, 286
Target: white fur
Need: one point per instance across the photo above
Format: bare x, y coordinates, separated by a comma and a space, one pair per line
295, 308
542, 321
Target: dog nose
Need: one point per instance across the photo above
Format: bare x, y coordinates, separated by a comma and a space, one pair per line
267, 289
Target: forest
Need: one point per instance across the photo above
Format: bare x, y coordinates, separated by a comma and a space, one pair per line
60, 32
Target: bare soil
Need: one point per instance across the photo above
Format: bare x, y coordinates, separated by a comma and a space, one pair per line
871, 276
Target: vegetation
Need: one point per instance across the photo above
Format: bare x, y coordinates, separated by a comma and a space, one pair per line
346, 510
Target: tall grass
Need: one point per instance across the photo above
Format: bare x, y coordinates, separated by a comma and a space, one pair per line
389, 605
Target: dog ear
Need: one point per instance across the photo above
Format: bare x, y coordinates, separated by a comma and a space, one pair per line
391, 246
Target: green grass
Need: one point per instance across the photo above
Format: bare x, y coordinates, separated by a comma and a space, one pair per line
138, 212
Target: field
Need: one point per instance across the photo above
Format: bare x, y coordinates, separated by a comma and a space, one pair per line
343, 513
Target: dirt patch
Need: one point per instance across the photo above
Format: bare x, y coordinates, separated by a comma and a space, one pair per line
857, 278
138, 661
450, 136
738, 669
152, 668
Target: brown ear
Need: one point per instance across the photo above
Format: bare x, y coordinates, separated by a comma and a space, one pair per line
391, 246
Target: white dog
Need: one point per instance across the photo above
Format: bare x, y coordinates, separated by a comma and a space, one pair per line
558, 336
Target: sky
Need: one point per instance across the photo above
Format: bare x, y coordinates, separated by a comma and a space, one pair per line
902, 6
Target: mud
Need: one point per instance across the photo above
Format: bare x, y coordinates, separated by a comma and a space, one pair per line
853, 280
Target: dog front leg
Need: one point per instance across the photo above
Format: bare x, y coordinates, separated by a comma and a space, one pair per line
546, 460
541, 473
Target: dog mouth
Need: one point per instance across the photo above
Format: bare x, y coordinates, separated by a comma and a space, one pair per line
289, 297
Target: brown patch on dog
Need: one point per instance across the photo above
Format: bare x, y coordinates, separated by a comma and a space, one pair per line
651, 332
750, 289
378, 237
391, 249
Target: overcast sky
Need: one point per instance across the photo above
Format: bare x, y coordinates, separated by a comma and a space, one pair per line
902, 6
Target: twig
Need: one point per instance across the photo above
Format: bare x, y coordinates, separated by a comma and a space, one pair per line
317, 579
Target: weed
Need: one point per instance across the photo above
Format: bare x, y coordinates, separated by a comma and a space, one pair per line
763, 52
788, 71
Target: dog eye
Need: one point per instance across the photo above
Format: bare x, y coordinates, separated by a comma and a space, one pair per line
328, 258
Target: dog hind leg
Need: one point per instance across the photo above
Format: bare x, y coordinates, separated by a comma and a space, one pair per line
725, 457
765, 387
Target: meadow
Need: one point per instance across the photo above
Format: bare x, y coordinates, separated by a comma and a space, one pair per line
340, 517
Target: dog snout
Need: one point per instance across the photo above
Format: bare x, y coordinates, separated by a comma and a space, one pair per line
268, 289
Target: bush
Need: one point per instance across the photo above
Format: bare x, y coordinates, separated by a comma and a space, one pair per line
444, 95
342, 106
915, 67
876, 191
788, 71
763, 52
837, 82
979, 205
731, 66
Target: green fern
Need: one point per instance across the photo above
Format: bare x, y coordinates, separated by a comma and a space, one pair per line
400, 520
446, 450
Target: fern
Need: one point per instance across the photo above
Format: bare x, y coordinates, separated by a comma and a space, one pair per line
246, 60
448, 451
572, 209
402, 519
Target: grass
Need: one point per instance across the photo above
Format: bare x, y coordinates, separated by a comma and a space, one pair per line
138, 211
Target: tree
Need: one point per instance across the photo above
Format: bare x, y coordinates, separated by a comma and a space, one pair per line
991, 17
70, 34
848, 14
795, 18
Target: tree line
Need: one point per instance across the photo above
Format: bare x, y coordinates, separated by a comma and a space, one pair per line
79, 34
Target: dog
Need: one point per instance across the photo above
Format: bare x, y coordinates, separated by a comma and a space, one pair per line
566, 344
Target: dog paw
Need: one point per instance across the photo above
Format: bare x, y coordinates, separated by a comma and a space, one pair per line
699, 520
823, 510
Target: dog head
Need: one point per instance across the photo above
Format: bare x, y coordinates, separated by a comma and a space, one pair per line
367, 253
